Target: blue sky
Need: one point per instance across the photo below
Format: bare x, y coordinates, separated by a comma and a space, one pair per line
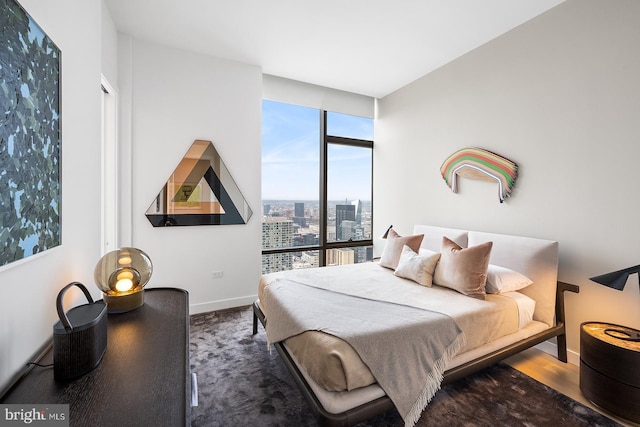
290, 154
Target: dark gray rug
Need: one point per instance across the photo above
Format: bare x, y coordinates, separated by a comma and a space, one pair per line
241, 383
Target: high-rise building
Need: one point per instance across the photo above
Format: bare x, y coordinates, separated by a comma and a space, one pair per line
299, 217
363, 254
340, 256
266, 209
358, 205
277, 232
344, 213
309, 259
348, 230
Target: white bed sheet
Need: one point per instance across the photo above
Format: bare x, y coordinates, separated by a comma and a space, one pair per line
526, 307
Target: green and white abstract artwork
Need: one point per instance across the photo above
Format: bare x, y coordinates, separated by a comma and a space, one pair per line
29, 136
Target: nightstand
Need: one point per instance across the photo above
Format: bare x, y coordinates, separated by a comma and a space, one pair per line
610, 368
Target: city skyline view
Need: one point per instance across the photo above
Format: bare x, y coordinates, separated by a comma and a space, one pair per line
288, 224
292, 189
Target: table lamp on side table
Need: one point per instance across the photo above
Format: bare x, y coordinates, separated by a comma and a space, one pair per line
122, 275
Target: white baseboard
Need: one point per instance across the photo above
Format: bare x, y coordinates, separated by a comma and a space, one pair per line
205, 307
552, 349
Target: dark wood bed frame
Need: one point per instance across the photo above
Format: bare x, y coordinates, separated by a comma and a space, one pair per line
383, 404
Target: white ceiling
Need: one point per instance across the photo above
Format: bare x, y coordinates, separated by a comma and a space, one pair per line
370, 47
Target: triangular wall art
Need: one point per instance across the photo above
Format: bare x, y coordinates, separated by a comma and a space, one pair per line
201, 191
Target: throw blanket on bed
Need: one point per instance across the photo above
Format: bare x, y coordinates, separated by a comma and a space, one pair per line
405, 348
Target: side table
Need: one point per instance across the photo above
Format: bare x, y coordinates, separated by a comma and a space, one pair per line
143, 380
610, 368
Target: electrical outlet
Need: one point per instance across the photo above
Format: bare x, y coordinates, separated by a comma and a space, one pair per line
216, 274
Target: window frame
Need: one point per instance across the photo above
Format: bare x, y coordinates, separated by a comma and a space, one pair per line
323, 244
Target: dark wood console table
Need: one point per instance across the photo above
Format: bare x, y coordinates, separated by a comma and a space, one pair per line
609, 374
144, 378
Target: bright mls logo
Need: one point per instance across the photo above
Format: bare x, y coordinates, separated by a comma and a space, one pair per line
37, 415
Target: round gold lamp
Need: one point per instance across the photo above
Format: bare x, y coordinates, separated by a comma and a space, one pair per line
122, 275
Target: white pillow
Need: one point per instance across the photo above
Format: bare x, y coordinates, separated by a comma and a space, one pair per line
417, 267
502, 279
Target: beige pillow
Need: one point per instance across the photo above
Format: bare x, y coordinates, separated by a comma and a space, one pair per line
417, 267
393, 248
463, 269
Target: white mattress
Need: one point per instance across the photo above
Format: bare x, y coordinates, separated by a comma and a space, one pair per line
336, 402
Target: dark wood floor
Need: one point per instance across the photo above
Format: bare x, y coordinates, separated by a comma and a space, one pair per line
563, 377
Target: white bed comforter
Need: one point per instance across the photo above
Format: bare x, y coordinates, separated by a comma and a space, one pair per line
482, 321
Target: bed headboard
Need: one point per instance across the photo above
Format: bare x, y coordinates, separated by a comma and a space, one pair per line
535, 258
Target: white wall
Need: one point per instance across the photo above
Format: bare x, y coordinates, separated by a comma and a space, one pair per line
28, 289
109, 47
169, 98
558, 95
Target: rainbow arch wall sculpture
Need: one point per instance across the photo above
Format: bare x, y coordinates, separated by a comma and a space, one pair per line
476, 163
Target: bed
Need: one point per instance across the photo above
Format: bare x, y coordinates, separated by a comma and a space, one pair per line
478, 328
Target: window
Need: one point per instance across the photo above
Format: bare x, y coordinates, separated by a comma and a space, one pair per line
316, 187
